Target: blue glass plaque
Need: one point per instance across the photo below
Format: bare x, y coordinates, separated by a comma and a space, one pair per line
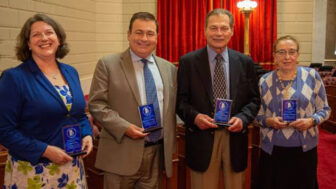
222, 112
72, 140
289, 110
148, 119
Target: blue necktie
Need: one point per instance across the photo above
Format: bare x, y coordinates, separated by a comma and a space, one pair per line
151, 96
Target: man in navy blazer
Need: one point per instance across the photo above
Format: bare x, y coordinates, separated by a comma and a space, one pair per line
209, 147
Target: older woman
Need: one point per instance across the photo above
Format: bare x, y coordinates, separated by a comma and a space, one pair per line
40, 99
289, 156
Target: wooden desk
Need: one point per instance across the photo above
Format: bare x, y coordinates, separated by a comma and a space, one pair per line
331, 90
95, 177
3, 159
330, 124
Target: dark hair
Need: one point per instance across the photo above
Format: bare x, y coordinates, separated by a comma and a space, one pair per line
22, 49
143, 16
220, 12
286, 37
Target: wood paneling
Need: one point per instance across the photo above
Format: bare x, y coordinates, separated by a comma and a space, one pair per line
330, 124
95, 176
3, 159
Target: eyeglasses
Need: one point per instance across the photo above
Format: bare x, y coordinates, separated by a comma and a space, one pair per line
282, 52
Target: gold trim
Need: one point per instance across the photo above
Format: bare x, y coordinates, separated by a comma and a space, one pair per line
329, 60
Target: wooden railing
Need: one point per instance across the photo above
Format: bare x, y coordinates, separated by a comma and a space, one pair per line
253, 157
330, 124
3, 159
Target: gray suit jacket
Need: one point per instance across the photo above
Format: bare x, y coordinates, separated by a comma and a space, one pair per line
114, 101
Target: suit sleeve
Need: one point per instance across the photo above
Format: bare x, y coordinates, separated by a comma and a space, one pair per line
250, 110
11, 103
183, 107
99, 106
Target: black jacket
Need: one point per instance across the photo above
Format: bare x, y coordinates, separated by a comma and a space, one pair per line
194, 95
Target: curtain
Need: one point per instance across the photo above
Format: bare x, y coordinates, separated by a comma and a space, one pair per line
181, 27
182, 22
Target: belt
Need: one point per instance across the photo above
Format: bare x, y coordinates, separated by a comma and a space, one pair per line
147, 143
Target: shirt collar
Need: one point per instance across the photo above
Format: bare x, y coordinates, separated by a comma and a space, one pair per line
136, 58
212, 54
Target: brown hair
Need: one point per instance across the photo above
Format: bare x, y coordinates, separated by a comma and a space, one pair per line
220, 12
286, 37
22, 49
143, 16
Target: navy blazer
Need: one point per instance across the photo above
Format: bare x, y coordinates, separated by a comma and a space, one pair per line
194, 95
32, 114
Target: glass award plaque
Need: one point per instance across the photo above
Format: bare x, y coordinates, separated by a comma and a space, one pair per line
222, 112
289, 110
148, 119
72, 140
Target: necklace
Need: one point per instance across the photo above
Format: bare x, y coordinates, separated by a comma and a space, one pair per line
285, 89
52, 76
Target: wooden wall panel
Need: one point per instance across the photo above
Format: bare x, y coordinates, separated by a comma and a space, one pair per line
3, 159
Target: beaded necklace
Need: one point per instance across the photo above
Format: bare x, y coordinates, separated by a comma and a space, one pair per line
285, 89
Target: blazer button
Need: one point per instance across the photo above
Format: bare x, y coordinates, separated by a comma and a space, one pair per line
212, 114
68, 115
212, 132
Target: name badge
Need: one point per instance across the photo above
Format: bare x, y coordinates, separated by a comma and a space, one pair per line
148, 119
72, 140
289, 110
222, 112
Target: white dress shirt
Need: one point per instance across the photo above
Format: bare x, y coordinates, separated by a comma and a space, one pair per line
139, 73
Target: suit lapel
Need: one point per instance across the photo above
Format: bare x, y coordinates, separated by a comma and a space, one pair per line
203, 69
234, 78
165, 81
127, 66
45, 83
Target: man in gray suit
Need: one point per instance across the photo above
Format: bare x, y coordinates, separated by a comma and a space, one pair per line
129, 157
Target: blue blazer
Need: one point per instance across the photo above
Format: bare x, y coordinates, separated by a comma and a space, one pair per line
32, 114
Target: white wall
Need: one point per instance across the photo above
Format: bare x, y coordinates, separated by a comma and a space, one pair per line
295, 17
94, 28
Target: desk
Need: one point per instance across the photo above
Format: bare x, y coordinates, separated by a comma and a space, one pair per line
3, 159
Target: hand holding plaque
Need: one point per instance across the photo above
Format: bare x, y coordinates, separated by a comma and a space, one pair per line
72, 140
148, 119
289, 110
222, 112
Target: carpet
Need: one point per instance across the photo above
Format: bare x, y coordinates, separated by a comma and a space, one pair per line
326, 168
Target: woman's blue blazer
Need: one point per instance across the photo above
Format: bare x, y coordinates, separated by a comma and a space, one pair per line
32, 113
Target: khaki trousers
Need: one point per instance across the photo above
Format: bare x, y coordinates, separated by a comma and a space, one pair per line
147, 176
220, 160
